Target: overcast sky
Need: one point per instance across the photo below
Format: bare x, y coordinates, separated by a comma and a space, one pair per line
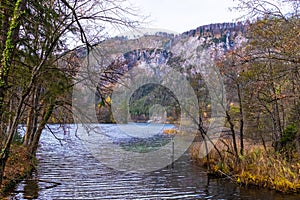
183, 15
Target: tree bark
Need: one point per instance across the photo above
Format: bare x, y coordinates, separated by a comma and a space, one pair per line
31, 123
233, 136
276, 121
9, 38
241, 120
35, 142
6, 61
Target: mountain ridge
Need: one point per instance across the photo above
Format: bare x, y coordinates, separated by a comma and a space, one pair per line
181, 52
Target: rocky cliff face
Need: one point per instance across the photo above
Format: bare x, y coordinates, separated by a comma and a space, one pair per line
213, 37
219, 37
209, 41
187, 53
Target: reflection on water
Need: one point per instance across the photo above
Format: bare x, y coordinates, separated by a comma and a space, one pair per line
71, 172
31, 189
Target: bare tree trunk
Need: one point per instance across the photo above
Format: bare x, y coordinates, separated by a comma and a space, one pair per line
31, 124
10, 42
277, 126
4, 154
9, 35
233, 137
241, 120
276, 113
35, 142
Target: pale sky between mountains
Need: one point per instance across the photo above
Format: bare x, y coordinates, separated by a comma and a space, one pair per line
184, 15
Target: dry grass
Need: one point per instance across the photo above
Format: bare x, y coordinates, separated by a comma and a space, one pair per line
170, 131
259, 166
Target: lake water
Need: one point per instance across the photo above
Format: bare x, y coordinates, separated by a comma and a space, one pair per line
67, 170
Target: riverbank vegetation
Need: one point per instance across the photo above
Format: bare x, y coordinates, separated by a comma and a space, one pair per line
260, 144
19, 165
38, 65
259, 166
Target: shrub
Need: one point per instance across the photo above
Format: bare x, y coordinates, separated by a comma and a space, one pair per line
18, 138
288, 138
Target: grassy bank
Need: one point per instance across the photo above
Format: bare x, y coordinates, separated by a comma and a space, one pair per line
17, 168
259, 166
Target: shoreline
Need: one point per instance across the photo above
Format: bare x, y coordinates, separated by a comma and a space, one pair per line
258, 167
18, 168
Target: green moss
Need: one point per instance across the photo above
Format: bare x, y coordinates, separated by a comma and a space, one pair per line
7, 53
